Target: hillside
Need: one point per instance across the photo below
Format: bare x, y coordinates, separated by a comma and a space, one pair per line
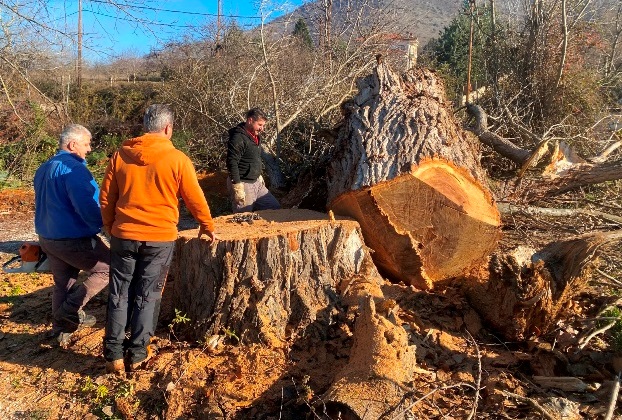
423, 19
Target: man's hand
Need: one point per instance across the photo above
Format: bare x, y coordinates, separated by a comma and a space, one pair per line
239, 196
106, 232
211, 236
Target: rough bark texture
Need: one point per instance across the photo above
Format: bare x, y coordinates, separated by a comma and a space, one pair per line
392, 124
267, 279
406, 171
527, 291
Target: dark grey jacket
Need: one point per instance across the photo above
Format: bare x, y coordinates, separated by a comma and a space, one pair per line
243, 156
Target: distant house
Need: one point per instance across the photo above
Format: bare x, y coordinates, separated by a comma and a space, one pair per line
402, 50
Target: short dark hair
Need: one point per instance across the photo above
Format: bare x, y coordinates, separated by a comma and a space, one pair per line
256, 114
157, 116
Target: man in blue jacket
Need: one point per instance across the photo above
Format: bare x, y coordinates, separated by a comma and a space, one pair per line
246, 186
67, 220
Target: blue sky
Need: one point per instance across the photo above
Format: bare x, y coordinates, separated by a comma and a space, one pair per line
138, 26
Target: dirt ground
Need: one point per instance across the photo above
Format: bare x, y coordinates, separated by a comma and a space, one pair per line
187, 380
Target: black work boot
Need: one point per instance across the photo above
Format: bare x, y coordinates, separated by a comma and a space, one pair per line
72, 321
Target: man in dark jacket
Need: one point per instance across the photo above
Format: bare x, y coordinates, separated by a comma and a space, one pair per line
67, 220
246, 186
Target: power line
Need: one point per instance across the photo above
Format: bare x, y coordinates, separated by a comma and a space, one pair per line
139, 20
157, 9
144, 21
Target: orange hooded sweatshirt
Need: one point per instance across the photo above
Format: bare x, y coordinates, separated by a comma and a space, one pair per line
141, 187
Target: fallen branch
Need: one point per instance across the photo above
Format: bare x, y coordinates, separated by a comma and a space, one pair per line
614, 398
479, 377
605, 153
531, 402
500, 145
567, 171
607, 276
509, 208
434, 391
583, 341
565, 383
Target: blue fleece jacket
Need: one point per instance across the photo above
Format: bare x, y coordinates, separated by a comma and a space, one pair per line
66, 198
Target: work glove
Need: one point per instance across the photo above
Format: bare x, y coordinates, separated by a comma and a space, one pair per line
239, 196
261, 181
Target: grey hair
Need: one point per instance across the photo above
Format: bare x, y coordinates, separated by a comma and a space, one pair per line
157, 116
73, 132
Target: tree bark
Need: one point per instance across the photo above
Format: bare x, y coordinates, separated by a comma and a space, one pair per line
419, 214
274, 278
392, 124
268, 279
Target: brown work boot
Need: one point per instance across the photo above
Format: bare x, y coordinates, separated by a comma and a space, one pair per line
116, 366
133, 367
151, 351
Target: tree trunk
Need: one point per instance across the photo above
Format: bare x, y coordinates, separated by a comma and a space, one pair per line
267, 279
277, 277
419, 214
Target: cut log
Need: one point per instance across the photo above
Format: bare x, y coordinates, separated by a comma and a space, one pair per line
431, 224
410, 176
267, 279
527, 291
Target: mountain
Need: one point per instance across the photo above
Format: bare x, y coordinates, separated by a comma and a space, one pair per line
423, 19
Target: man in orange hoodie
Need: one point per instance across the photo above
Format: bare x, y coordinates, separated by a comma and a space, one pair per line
140, 210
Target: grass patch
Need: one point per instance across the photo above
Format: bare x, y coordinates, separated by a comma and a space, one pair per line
615, 332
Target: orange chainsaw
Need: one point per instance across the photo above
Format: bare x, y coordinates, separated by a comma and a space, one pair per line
31, 259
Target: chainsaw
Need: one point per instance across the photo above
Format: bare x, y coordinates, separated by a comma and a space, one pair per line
31, 259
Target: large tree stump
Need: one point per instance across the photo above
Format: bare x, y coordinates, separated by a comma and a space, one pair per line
267, 279
427, 220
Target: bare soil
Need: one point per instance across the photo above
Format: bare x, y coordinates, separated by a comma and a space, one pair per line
455, 354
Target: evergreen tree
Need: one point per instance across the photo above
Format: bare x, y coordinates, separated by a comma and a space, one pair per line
449, 53
301, 31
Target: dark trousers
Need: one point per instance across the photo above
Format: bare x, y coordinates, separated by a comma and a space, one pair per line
138, 272
67, 258
257, 197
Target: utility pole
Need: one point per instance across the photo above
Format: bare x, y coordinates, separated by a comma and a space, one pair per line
79, 62
468, 82
218, 22
495, 53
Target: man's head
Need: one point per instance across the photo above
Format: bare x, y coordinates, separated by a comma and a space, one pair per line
159, 119
255, 121
75, 139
